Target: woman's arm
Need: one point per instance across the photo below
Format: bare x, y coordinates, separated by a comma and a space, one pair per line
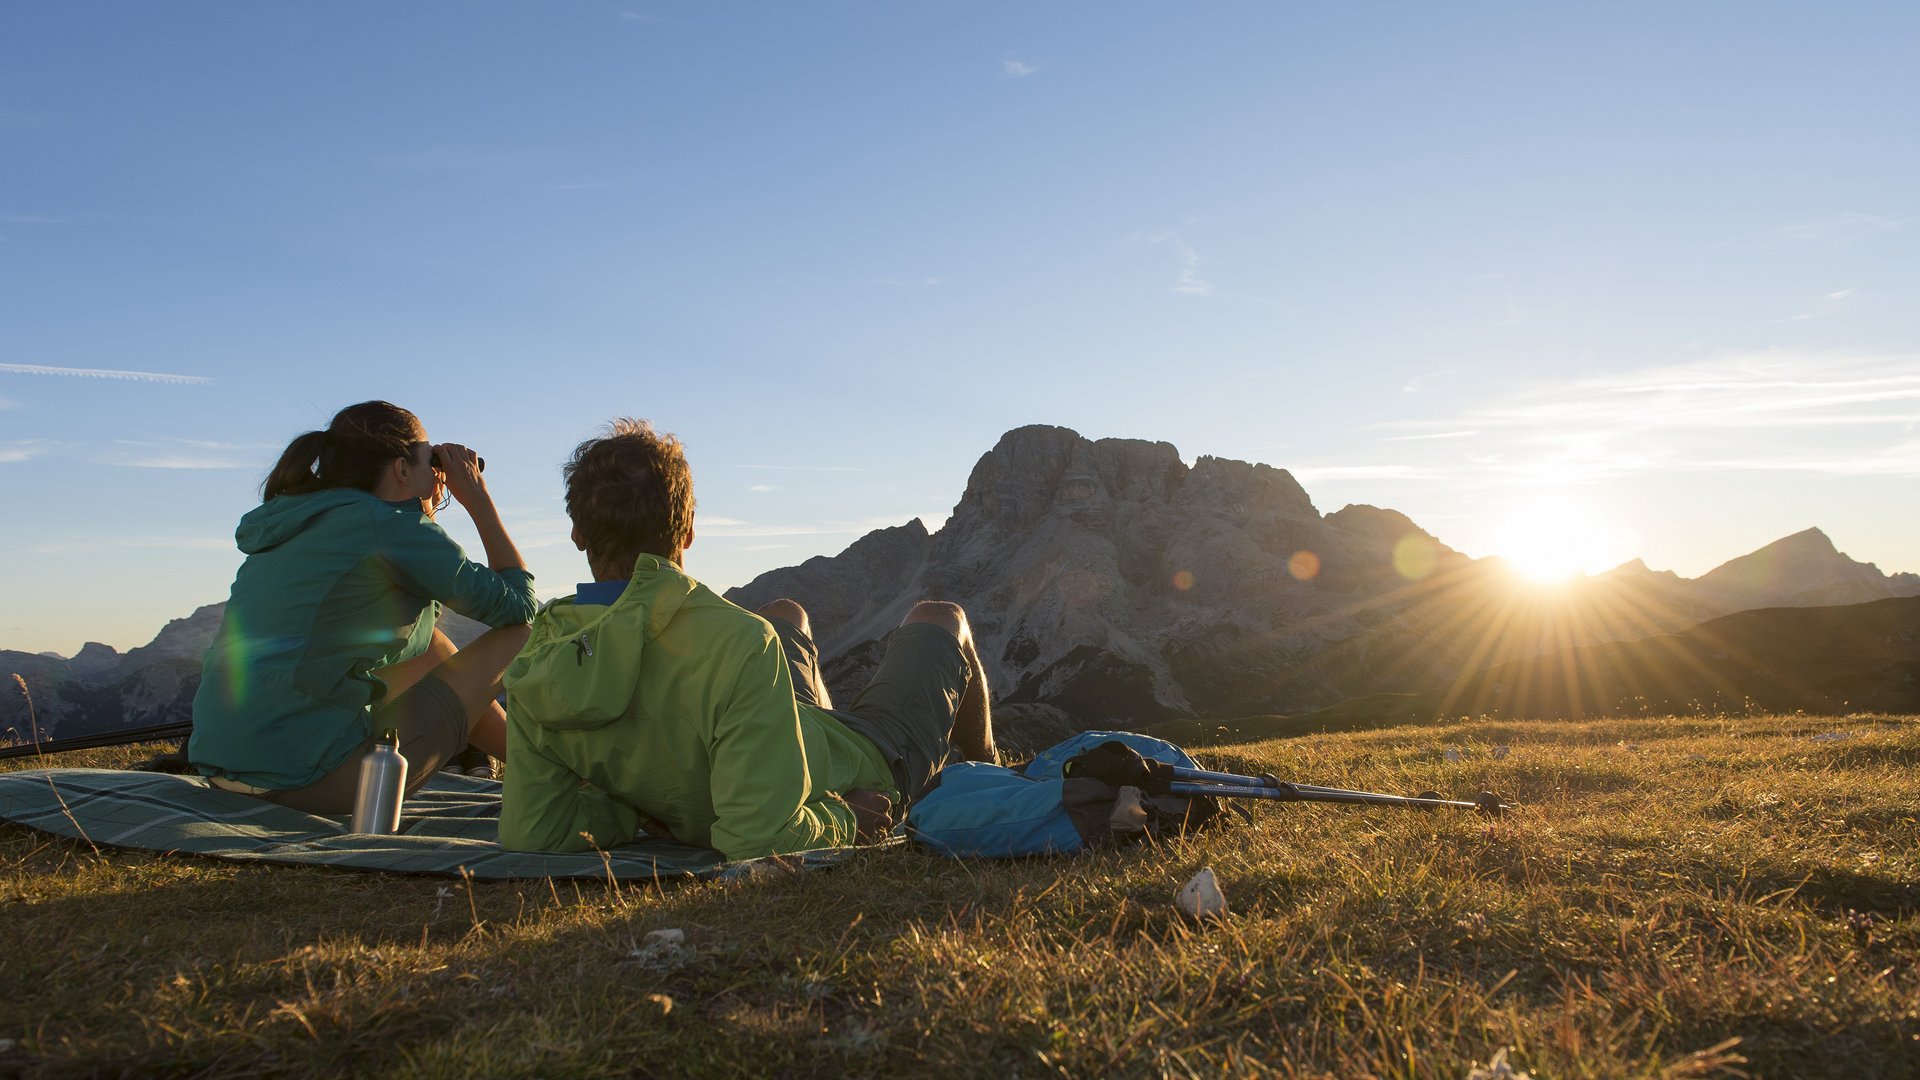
469, 487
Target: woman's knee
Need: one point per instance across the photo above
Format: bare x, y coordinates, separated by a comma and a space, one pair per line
474, 671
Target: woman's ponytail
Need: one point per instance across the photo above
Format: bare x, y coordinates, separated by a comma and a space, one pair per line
350, 453
298, 470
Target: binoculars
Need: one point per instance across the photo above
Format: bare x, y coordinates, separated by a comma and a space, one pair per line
436, 463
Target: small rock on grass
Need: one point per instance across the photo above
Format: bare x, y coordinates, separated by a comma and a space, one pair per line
1498, 1069
662, 949
1200, 897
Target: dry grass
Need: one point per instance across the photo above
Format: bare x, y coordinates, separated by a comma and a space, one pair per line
1669, 886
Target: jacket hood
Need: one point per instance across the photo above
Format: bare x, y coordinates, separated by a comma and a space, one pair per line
279, 519
581, 664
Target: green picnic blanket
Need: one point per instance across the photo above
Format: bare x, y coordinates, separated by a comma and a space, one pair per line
447, 828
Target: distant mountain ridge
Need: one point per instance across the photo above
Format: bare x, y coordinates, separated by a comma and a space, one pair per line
1107, 579
1109, 582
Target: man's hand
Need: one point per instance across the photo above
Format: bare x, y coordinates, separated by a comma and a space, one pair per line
872, 814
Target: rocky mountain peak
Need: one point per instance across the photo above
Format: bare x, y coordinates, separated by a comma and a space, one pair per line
1637, 570
1389, 525
1039, 471
1804, 568
1257, 490
184, 639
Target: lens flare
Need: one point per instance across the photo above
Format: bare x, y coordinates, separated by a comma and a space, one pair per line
238, 660
1182, 580
1414, 556
1304, 566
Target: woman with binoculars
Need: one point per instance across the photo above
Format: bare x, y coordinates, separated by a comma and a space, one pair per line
328, 639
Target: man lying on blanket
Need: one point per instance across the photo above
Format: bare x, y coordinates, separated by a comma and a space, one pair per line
646, 699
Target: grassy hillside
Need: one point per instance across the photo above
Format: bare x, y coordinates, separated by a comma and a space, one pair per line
1675, 897
1860, 657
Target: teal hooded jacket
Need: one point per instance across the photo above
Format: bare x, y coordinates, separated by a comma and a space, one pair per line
672, 703
336, 585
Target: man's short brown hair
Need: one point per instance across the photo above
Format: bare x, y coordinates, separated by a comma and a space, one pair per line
628, 492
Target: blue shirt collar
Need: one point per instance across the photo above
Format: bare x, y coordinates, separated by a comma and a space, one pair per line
600, 593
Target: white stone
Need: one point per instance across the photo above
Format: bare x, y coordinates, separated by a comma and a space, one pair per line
1200, 897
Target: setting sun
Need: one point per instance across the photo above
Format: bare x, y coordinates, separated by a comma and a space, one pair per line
1550, 539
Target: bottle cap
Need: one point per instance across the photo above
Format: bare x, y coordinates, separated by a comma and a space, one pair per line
391, 737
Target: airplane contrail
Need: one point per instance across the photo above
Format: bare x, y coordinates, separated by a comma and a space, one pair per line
106, 373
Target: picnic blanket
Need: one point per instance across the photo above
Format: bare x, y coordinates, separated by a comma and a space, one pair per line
447, 828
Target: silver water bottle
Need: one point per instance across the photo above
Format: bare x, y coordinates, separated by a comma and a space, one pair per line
383, 781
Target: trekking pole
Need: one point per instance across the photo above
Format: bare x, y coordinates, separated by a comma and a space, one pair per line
153, 733
1117, 764
1281, 791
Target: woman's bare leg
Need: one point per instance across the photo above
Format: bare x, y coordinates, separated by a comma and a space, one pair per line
473, 674
400, 678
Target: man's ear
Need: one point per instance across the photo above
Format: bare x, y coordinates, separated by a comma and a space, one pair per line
579, 542
687, 541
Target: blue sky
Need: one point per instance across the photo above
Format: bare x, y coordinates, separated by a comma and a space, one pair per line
1644, 269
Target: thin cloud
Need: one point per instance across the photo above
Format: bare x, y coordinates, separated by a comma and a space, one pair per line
106, 373
740, 529
176, 461
795, 468
1900, 460
194, 444
761, 489
1435, 435
12, 453
172, 454
470, 159
1719, 415
735, 529
1190, 281
1839, 229
1832, 303
644, 19
1321, 473
1418, 384
141, 542
1016, 69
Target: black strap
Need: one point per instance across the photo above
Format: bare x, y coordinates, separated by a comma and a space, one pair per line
1120, 765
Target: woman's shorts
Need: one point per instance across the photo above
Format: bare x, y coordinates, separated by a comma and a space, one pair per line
433, 727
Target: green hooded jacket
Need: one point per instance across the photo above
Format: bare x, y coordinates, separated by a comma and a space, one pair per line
336, 585
674, 704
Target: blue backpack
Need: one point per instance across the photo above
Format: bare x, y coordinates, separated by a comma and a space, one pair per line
1052, 805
